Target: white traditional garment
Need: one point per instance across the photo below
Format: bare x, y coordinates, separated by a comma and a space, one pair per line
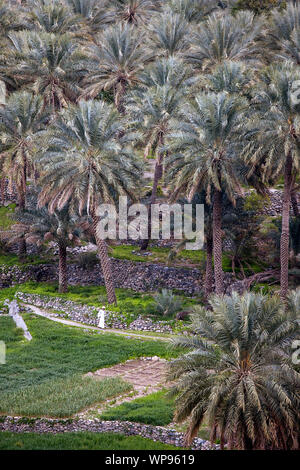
101, 318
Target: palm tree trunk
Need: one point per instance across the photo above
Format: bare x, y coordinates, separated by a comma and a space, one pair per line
119, 96
217, 241
62, 267
105, 265
3, 189
156, 178
285, 229
22, 250
209, 267
21, 198
294, 200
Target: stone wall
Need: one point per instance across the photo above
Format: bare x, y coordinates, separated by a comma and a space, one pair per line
84, 314
142, 277
54, 426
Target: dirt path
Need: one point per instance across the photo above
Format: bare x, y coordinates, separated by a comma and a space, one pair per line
147, 375
141, 373
128, 334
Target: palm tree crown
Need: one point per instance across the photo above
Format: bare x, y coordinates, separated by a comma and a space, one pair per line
238, 373
20, 122
51, 16
134, 11
115, 62
49, 63
224, 37
283, 38
193, 10
94, 16
202, 144
168, 34
84, 161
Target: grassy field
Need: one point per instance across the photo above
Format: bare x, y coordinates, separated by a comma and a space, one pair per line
78, 441
61, 398
158, 255
156, 408
184, 258
56, 356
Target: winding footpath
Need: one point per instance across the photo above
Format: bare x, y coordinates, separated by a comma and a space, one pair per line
127, 333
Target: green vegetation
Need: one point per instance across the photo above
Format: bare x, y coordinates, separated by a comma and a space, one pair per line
156, 408
57, 353
5, 216
155, 254
158, 255
61, 398
185, 258
10, 259
78, 441
129, 301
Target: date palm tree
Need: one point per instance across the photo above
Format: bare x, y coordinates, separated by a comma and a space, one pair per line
168, 34
94, 16
83, 162
151, 107
47, 63
135, 12
283, 43
204, 156
224, 37
11, 19
229, 76
21, 120
51, 16
193, 10
115, 62
283, 38
238, 375
38, 226
273, 142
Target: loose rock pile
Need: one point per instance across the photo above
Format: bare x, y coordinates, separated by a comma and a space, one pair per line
274, 207
54, 426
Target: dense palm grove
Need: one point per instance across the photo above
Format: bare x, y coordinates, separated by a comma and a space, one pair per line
92, 90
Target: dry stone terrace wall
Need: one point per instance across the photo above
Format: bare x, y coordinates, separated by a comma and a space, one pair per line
141, 277
54, 426
88, 315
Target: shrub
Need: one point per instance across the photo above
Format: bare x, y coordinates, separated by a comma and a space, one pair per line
167, 303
